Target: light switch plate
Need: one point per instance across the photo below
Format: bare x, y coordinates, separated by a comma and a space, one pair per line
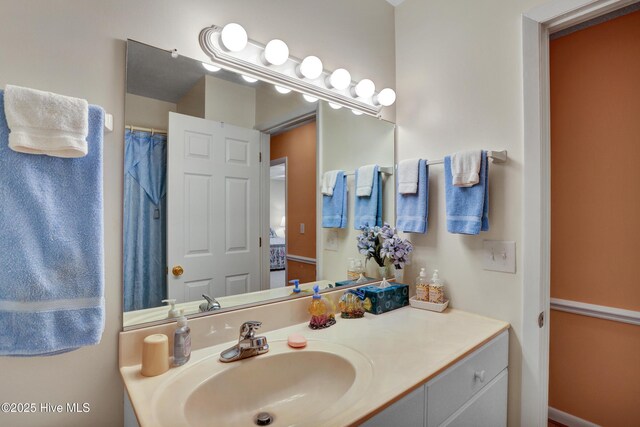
302, 228
499, 255
331, 240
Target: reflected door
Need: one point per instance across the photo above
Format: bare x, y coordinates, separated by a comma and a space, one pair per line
213, 209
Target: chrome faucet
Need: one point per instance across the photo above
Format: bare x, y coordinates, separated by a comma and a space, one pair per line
210, 305
248, 344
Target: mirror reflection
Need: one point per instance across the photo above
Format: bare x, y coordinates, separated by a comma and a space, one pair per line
222, 190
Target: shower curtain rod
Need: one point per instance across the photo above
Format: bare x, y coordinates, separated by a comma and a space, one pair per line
150, 130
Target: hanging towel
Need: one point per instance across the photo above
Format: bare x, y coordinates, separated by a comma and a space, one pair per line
408, 176
51, 247
364, 181
329, 182
467, 207
46, 123
413, 209
465, 168
369, 209
334, 208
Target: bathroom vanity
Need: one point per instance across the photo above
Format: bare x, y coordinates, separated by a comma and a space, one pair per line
407, 367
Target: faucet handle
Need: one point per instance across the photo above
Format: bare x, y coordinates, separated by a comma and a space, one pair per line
248, 329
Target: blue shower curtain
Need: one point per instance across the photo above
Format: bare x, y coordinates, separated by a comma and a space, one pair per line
145, 221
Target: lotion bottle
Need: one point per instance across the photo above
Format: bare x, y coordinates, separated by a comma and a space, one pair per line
181, 342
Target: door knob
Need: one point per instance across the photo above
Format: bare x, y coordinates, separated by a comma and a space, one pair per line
177, 270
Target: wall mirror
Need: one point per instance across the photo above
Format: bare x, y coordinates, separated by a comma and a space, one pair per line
222, 188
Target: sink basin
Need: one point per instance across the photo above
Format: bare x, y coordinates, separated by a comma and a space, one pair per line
296, 387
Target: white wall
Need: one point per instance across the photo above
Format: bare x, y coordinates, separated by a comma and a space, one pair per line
77, 48
348, 142
277, 204
147, 112
230, 102
459, 85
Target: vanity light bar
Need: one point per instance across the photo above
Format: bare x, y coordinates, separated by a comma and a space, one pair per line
234, 51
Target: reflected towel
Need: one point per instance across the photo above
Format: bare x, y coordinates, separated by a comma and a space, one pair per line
46, 123
329, 182
334, 208
364, 180
368, 210
408, 175
51, 247
467, 207
413, 209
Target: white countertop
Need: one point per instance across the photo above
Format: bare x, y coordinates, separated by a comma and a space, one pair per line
406, 347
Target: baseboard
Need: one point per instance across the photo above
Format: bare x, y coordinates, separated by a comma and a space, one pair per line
568, 419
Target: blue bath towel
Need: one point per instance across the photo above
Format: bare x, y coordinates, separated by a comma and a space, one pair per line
413, 209
369, 209
467, 207
334, 208
51, 247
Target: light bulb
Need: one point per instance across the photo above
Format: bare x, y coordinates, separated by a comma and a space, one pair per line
210, 67
386, 97
310, 67
276, 52
335, 106
249, 79
234, 37
357, 112
364, 89
282, 90
339, 79
309, 98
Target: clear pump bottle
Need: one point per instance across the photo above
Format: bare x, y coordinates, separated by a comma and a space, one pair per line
181, 342
422, 286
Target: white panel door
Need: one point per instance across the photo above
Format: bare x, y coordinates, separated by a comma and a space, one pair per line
213, 209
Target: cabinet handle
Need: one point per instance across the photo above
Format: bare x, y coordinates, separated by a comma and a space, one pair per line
479, 375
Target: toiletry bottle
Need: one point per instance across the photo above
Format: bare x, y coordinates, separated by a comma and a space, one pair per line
296, 286
436, 289
182, 342
172, 311
352, 273
321, 311
422, 286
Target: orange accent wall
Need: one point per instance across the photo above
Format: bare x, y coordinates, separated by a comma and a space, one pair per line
595, 219
299, 147
302, 271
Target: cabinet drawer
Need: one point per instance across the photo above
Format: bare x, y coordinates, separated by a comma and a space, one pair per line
487, 408
451, 389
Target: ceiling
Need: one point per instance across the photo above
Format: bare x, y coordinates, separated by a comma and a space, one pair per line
395, 2
153, 73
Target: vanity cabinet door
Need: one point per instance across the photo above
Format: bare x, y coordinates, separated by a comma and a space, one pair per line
487, 408
406, 412
450, 390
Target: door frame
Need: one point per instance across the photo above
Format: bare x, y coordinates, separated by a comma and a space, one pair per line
537, 24
283, 161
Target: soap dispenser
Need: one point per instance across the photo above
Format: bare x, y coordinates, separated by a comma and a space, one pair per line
321, 311
172, 311
181, 341
296, 286
422, 286
436, 289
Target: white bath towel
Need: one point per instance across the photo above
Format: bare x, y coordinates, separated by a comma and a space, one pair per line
408, 176
365, 180
329, 182
465, 168
46, 123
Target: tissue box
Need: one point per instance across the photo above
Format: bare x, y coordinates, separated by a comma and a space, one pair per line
386, 299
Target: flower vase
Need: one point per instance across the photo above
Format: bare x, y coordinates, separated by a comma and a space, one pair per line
399, 275
386, 271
